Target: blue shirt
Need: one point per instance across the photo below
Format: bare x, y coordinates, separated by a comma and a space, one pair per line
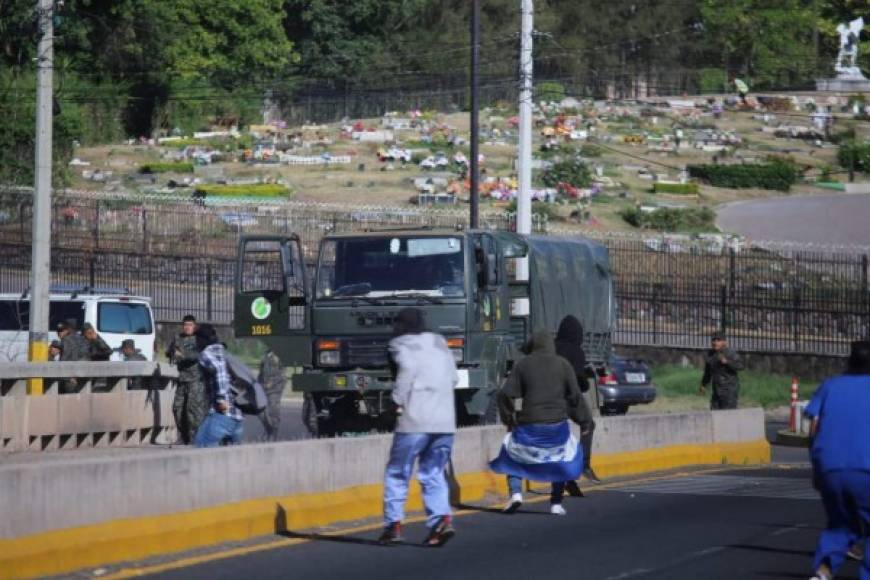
842, 406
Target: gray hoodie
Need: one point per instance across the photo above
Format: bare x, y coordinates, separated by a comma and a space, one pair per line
424, 384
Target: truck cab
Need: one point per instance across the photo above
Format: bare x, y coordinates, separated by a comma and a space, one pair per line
333, 320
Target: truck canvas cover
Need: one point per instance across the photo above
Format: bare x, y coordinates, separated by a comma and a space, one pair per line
572, 276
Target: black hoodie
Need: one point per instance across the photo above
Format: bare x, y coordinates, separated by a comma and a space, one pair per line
547, 385
569, 345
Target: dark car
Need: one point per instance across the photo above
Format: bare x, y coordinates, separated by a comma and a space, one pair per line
626, 382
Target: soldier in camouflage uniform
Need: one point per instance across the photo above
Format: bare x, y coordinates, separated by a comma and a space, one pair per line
190, 405
73, 348
721, 368
133, 354
273, 381
98, 350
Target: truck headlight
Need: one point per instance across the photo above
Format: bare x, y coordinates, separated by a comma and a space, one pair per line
329, 358
457, 347
329, 352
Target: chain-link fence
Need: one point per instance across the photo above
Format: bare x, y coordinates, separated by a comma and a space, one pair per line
672, 291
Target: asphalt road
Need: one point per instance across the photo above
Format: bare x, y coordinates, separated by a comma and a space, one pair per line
825, 219
720, 523
291, 427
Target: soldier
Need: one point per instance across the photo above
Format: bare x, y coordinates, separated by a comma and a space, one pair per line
54, 351
190, 405
273, 381
98, 350
73, 348
721, 368
130, 354
73, 345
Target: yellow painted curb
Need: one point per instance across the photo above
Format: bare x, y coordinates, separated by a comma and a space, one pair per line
67, 550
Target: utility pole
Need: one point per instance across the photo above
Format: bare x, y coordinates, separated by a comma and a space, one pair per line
474, 166
40, 260
524, 160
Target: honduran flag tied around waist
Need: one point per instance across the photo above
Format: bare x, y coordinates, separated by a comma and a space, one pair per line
540, 453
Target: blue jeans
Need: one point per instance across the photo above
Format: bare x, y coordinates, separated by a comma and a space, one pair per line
846, 497
515, 485
433, 450
218, 428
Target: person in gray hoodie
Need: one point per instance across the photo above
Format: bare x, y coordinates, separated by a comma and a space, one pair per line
425, 380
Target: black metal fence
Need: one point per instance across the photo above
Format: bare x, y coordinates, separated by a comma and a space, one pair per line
178, 226
669, 293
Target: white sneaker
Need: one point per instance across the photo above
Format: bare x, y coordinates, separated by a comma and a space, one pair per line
514, 504
557, 510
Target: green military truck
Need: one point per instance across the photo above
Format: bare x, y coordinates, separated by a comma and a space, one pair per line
334, 321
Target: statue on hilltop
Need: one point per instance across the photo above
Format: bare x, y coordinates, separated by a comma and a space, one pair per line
847, 59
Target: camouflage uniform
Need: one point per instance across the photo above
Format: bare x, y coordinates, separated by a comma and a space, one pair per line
273, 381
74, 348
726, 385
98, 350
136, 382
190, 405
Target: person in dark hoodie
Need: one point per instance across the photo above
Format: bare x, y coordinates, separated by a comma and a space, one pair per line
569, 345
540, 445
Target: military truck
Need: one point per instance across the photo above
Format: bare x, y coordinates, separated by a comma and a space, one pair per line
333, 319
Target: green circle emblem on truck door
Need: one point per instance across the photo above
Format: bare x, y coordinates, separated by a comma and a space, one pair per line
261, 308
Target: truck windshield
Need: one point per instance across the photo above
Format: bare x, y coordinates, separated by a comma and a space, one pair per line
391, 266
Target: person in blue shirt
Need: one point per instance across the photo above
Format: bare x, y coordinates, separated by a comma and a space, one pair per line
840, 454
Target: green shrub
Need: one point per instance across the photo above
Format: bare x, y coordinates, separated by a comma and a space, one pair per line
712, 80
854, 155
550, 92
168, 167
571, 171
776, 175
671, 219
589, 150
690, 188
249, 190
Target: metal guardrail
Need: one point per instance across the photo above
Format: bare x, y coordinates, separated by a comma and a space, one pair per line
103, 412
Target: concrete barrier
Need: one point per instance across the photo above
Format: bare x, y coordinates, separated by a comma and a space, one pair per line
147, 502
102, 413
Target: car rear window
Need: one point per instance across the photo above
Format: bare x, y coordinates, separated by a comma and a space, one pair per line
124, 318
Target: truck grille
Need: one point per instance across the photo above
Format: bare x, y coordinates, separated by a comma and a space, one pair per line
368, 352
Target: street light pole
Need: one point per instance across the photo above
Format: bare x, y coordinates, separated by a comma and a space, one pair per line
40, 259
524, 155
474, 166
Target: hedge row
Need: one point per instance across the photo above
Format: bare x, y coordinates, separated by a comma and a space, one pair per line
167, 167
251, 190
775, 175
671, 220
690, 188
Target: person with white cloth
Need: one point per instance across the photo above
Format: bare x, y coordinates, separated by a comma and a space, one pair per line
425, 380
